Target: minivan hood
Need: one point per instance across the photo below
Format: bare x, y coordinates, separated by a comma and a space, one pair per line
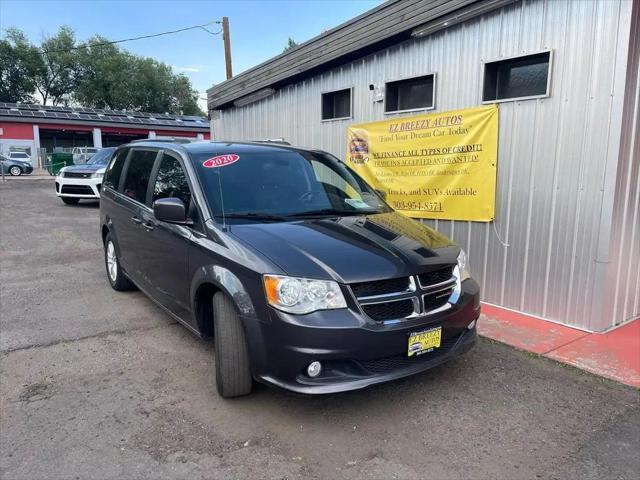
350, 249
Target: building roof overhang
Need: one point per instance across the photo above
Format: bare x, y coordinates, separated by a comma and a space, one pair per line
390, 23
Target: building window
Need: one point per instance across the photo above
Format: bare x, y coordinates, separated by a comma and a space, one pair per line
518, 77
409, 94
336, 105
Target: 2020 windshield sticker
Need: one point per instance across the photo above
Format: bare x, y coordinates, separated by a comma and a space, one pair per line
221, 160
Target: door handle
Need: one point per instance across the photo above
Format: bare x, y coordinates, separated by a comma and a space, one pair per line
148, 226
136, 220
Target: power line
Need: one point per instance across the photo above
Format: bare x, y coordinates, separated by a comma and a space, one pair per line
102, 44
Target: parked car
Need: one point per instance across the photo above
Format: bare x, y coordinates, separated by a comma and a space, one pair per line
20, 156
302, 274
82, 154
78, 182
14, 167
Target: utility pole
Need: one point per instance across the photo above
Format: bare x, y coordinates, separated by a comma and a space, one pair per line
227, 46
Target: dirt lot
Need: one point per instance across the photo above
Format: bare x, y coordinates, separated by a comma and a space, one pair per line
99, 384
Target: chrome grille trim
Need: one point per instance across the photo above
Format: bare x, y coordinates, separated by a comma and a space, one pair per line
446, 284
420, 295
368, 298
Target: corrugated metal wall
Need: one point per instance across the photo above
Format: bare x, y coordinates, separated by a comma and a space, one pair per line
622, 297
556, 155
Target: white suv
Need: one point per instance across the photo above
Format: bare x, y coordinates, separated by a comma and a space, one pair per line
83, 181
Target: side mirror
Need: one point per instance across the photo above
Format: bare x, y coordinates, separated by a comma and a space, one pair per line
382, 193
171, 210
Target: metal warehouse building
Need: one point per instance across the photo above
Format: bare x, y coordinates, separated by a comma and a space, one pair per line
565, 243
36, 128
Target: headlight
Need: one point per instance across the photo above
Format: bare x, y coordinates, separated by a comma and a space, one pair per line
461, 272
302, 295
462, 266
97, 175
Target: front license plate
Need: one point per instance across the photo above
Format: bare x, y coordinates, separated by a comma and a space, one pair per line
424, 341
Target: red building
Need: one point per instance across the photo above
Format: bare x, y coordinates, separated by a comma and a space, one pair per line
33, 128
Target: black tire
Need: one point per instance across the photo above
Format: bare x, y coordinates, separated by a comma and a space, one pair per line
233, 367
15, 171
116, 276
70, 200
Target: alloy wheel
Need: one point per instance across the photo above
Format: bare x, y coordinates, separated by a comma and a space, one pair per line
112, 262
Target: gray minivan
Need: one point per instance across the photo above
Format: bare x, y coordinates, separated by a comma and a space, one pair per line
302, 274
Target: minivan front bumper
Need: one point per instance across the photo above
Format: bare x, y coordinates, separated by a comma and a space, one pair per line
355, 351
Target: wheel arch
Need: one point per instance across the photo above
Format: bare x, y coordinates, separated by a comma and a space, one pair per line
105, 232
206, 283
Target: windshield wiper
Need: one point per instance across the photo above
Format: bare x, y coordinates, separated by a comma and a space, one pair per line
329, 212
252, 215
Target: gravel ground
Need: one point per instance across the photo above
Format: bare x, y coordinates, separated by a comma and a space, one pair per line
99, 384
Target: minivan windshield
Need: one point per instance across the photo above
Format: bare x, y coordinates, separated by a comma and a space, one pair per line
280, 184
101, 157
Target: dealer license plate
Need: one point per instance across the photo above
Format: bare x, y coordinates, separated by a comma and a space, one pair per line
424, 341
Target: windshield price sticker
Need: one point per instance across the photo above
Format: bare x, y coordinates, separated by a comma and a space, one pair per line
221, 161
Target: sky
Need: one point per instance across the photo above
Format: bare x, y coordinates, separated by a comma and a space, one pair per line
258, 29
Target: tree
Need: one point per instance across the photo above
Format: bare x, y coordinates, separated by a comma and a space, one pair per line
115, 79
92, 74
291, 43
19, 62
103, 76
56, 78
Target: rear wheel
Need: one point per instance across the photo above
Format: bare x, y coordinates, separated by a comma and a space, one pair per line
116, 276
233, 370
15, 171
70, 200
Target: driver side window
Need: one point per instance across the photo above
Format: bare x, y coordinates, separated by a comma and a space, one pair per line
171, 181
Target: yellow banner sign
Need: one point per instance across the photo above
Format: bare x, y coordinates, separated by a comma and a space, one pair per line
441, 165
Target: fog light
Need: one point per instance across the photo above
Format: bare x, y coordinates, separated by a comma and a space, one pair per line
314, 369
471, 325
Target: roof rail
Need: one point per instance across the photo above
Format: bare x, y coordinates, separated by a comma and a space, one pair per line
167, 140
279, 141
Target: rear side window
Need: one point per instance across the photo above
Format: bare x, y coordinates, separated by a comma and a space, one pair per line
138, 174
171, 181
114, 170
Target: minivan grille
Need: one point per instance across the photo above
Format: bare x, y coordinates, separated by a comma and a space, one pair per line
380, 287
436, 276
389, 310
436, 300
406, 297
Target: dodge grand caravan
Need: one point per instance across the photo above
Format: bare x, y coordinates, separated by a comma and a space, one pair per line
298, 269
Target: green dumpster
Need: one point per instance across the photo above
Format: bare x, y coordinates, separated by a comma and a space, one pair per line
59, 160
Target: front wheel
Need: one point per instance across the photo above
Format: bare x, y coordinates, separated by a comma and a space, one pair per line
70, 200
116, 276
233, 368
15, 171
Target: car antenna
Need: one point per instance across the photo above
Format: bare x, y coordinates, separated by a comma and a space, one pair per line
224, 220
